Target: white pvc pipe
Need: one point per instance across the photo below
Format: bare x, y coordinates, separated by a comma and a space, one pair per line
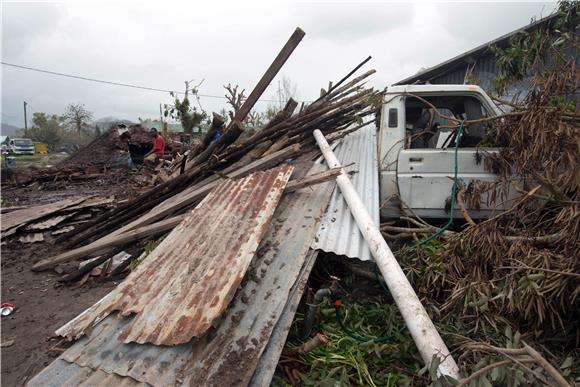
420, 326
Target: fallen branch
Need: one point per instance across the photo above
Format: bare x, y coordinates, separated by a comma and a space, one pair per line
478, 373
308, 346
529, 351
547, 366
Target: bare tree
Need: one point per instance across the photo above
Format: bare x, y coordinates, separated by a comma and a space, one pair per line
254, 119
235, 98
287, 90
77, 117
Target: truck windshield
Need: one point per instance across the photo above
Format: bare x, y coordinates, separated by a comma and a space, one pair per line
23, 142
426, 129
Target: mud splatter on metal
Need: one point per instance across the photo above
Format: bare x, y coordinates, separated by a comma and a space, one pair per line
191, 277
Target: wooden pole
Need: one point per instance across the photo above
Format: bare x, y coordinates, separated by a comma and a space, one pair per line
269, 75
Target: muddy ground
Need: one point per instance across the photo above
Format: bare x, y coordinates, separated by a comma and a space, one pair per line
43, 304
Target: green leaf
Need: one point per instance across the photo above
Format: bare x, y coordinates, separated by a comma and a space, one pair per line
567, 363
435, 362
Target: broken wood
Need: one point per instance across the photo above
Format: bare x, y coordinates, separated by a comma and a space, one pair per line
317, 178
269, 75
152, 230
87, 268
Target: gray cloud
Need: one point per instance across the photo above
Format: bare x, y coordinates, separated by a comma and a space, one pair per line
345, 23
162, 44
24, 23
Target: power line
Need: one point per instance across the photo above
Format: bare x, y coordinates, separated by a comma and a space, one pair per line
115, 83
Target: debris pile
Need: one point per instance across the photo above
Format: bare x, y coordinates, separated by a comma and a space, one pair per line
31, 224
240, 218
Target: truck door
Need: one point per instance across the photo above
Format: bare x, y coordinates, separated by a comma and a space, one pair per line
426, 165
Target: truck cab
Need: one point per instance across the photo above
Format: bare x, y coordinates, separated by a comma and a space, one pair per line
21, 146
417, 149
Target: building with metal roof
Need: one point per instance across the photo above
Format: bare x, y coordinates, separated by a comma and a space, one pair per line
477, 65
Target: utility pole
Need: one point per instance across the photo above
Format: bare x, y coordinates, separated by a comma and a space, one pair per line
161, 115
279, 95
25, 121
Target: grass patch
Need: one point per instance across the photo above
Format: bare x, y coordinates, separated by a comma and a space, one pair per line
28, 157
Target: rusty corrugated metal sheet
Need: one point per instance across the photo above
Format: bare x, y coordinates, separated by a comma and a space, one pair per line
339, 232
229, 354
64, 374
191, 277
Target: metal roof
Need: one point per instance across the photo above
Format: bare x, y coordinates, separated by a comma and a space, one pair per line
15, 219
470, 55
62, 373
191, 277
338, 231
269, 360
229, 353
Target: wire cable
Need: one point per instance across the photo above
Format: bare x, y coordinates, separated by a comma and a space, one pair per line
117, 83
453, 189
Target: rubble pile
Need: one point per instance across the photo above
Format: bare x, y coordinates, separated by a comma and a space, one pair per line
239, 217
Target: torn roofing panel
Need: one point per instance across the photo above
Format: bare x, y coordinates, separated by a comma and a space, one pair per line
16, 218
191, 277
228, 354
339, 232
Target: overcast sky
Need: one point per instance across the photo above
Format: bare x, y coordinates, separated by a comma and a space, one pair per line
161, 44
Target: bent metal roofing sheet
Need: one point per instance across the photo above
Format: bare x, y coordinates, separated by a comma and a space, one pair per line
339, 232
229, 353
191, 277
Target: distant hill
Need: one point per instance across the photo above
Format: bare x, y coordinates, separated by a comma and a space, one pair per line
9, 130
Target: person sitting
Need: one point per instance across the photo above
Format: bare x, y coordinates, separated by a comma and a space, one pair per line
153, 157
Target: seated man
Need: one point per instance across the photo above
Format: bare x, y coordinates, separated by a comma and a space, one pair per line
152, 158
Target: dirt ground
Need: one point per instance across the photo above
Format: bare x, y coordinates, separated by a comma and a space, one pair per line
42, 303
42, 306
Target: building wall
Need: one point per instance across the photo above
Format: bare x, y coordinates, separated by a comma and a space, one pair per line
483, 72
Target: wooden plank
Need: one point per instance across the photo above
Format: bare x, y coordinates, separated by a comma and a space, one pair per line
195, 193
103, 245
168, 207
271, 356
314, 179
269, 75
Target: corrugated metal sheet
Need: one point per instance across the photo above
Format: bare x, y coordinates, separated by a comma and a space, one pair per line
62, 373
339, 232
191, 277
269, 360
17, 218
228, 354
48, 223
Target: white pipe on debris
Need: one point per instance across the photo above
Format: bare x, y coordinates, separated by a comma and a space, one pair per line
422, 330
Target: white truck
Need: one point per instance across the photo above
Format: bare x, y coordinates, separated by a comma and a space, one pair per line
417, 149
21, 146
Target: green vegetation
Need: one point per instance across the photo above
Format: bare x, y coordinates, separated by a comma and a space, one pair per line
52, 129
28, 157
345, 361
539, 50
184, 111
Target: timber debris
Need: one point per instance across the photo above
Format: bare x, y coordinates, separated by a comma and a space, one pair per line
239, 215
